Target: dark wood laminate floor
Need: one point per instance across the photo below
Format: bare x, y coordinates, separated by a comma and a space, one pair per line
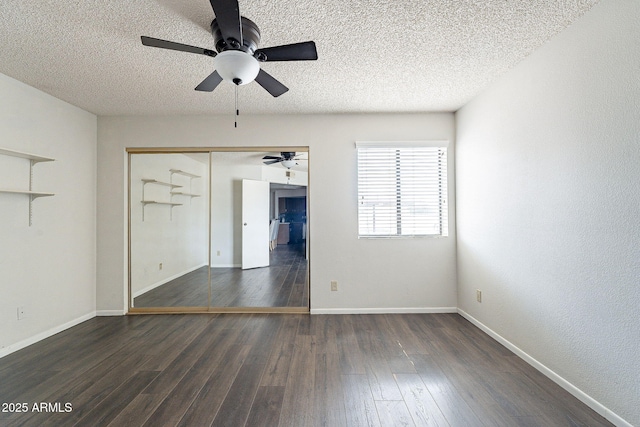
283, 284
282, 370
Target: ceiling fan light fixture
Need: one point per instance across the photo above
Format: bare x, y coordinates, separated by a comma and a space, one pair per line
236, 66
289, 163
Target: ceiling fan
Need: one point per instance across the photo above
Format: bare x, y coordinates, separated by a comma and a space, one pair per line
286, 159
236, 56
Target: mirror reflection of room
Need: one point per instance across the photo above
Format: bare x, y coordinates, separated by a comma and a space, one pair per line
258, 230
169, 229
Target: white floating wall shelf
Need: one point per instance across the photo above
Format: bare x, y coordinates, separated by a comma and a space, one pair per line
180, 172
182, 193
191, 177
172, 192
146, 202
33, 159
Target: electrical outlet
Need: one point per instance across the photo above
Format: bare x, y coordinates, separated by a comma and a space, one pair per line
478, 295
334, 285
160, 266
21, 313
218, 253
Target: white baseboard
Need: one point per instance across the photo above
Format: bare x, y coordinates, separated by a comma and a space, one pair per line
575, 391
105, 313
399, 310
46, 334
166, 280
226, 265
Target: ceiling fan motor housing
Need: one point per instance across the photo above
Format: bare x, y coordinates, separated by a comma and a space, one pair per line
235, 62
250, 37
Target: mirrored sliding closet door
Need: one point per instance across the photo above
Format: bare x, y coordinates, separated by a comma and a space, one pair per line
222, 230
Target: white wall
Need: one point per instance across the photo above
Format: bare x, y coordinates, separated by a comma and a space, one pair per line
548, 166
176, 237
48, 268
372, 275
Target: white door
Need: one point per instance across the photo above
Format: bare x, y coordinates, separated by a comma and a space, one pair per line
255, 224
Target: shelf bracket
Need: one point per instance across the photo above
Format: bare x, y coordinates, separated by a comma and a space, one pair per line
30, 209
31, 163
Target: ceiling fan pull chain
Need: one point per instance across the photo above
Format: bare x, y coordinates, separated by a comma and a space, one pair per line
237, 111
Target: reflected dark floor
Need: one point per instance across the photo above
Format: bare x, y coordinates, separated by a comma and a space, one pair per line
283, 284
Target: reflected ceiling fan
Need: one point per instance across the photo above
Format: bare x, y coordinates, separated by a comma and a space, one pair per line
287, 159
236, 57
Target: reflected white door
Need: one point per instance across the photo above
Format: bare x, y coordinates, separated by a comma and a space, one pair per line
255, 224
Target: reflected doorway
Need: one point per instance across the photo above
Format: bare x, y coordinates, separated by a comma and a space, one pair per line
191, 260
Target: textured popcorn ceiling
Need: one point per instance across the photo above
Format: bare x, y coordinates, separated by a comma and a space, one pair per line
374, 56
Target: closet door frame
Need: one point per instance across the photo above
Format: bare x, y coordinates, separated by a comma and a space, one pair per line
207, 309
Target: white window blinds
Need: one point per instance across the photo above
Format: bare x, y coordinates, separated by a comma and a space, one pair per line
402, 189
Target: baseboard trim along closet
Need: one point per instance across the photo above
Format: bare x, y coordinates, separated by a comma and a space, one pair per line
399, 310
106, 313
46, 334
575, 391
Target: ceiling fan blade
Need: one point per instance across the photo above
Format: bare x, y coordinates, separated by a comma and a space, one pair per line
165, 44
228, 17
210, 83
305, 51
270, 157
271, 85
270, 162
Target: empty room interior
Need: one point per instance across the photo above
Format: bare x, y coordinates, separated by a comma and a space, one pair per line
365, 214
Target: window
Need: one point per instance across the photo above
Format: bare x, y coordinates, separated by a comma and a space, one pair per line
402, 189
